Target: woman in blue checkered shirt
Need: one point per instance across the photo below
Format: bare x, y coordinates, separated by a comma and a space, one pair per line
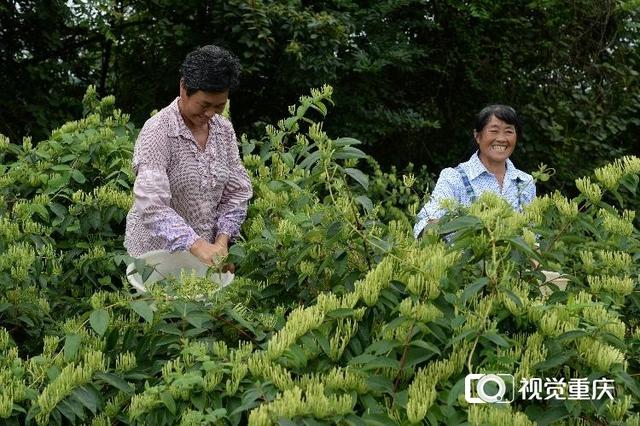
489, 169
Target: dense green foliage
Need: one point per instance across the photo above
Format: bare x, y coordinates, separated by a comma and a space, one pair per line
337, 315
409, 75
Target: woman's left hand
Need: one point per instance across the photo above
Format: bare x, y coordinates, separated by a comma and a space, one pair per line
207, 252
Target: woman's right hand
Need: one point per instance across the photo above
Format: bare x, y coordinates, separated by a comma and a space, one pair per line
206, 251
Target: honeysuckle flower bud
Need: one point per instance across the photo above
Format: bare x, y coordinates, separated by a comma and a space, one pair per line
568, 209
599, 355
590, 190
238, 372
341, 337
422, 312
260, 366
300, 321
69, 378
143, 403
409, 180
609, 175
6, 405
338, 379
5, 339
421, 396
630, 164
489, 414
375, 280
611, 283
588, 261
9, 230
619, 407
107, 196
291, 404
529, 237
4, 143
615, 224
26, 143
125, 362
598, 315
220, 349
616, 261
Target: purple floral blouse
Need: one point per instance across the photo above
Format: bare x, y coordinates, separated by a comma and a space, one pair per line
181, 193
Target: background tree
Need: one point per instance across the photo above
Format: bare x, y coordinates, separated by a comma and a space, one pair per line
409, 75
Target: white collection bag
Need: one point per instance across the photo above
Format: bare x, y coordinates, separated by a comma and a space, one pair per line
167, 264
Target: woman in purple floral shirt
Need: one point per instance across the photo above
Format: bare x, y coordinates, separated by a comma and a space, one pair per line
191, 189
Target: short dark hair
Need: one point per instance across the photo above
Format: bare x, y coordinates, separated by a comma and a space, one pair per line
211, 69
503, 112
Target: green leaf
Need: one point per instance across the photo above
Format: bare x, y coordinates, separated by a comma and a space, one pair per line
41, 211
520, 244
71, 405
115, 381
346, 142
349, 153
630, 182
66, 158
71, 346
58, 209
99, 320
365, 202
143, 309
511, 295
473, 288
78, 176
426, 345
89, 397
555, 361
459, 223
379, 384
381, 362
378, 420
168, 401
57, 183
629, 382
359, 177
310, 160
382, 347
288, 159
415, 356
496, 338
571, 335
341, 313
362, 359
197, 318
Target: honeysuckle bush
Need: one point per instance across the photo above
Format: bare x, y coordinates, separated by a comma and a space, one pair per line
336, 316
62, 208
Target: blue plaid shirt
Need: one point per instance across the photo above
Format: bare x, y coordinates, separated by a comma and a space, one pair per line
518, 189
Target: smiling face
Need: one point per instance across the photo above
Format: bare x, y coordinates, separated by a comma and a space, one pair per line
201, 106
496, 141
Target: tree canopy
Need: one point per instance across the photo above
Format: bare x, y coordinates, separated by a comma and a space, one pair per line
409, 75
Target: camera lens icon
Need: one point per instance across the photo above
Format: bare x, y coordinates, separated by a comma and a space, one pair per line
489, 388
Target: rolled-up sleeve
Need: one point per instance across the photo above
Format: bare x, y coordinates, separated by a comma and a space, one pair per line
152, 194
445, 189
232, 209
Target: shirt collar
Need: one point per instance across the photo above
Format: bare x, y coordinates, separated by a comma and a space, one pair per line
177, 126
474, 168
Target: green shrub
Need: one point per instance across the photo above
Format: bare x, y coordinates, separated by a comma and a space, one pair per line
337, 315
